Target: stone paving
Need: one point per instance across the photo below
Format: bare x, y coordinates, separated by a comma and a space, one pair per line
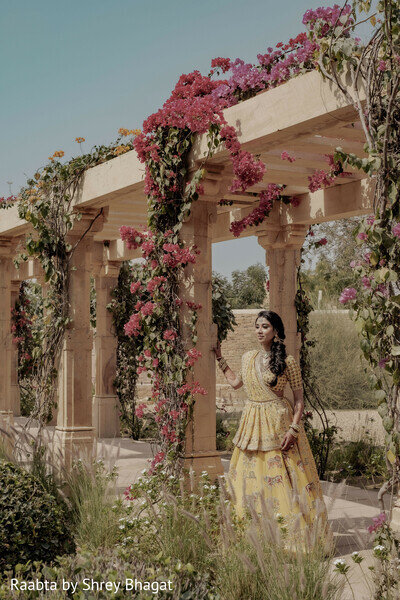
350, 509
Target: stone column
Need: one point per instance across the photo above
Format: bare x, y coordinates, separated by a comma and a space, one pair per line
15, 391
201, 453
75, 433
283, 257
6, 347
105, 401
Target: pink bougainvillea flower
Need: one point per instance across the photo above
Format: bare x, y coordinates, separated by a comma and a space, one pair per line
286, 156
382, 362
378, 522
148, 309
139, 411
347, 294
193, 355
367, 256
135, 287
382, 65
221, 63
169, 334
366, 282
362, 236
319, 180
248, 171
131, 237
370, 220
396, 230
134, 325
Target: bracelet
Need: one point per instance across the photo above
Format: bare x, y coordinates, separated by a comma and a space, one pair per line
294, 433
295, 427
223, 365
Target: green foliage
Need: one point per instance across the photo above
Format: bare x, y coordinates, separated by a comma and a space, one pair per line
222, 313
128, 347
375, 68
91, 496
115, 565
46, 204
328, 267
226, 432
248, 287
340, 371
27, 329
358, 458
32, 525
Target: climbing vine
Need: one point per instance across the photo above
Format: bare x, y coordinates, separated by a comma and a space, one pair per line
131, 349
320, 441
47, 204
374, 71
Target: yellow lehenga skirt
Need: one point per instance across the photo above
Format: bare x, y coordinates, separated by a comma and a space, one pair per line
287, 481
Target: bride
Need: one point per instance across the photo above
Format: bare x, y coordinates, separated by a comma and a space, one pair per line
272, 456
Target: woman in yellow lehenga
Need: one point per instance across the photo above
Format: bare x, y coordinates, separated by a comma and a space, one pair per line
272, 457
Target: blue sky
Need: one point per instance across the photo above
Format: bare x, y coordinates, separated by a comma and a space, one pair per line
87, 67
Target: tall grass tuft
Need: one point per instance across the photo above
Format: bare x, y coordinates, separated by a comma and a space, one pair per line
337, 364
91, 496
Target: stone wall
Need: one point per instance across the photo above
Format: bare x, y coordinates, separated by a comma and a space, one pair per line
237, 343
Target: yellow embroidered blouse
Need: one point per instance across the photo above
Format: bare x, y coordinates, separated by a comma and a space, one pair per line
266, 417
291, 375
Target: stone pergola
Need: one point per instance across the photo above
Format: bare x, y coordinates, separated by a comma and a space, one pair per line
305, 117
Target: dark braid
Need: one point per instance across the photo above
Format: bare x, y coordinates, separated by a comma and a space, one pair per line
277, 363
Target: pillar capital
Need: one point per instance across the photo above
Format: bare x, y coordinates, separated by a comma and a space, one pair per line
90, 222
283, 237
6, 246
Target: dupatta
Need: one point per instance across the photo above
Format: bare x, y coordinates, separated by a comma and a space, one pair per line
266, 417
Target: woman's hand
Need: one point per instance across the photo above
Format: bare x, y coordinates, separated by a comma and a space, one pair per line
217, 350
287, 442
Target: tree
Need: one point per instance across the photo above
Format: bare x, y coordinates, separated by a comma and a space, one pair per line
248, 287
332, 271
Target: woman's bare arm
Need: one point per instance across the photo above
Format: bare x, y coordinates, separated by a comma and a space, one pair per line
298, 406
232, 379
230, 376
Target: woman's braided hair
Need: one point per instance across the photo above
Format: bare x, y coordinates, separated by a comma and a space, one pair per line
277, 364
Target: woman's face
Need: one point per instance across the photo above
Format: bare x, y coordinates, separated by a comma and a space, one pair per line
264, 330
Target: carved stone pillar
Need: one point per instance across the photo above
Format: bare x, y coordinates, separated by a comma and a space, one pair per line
201, 453
283, 245
6, 347
105, 401
15, 391
75, 433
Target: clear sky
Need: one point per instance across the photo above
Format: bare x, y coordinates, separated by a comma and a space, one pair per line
88, 67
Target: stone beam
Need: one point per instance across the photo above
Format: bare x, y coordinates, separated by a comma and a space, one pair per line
304, 105
336, 202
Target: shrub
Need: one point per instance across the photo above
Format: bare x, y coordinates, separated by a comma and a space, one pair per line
337, 364
33, 526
